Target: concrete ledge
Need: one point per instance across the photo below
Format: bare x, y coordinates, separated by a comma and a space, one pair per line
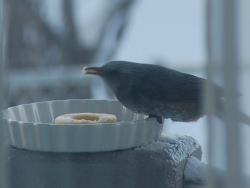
159, 164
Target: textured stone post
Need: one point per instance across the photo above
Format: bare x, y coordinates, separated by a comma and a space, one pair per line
159, 164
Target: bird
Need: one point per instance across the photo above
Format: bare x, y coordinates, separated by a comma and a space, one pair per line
156, 91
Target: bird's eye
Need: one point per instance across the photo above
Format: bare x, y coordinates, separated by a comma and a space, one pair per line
113, 72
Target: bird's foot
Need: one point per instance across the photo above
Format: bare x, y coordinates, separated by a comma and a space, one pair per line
158, 118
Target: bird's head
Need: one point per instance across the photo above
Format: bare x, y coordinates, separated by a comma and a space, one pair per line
114, 73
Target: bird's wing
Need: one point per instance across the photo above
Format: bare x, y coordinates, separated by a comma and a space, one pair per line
168, 85
185, 87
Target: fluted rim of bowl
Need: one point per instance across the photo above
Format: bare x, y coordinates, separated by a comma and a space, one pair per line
5, 111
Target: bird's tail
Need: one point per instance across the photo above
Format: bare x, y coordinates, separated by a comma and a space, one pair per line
243, 118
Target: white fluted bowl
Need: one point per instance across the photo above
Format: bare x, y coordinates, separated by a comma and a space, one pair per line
31, 126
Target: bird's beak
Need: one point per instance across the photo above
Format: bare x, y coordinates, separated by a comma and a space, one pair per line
91, 70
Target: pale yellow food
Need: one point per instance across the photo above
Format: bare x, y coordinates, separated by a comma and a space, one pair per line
85, 118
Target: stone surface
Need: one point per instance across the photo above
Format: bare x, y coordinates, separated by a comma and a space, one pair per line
159, 164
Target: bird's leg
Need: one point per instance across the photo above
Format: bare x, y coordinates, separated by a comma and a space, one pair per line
158, 118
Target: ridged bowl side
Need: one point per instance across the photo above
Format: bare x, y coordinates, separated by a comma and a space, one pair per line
31, 126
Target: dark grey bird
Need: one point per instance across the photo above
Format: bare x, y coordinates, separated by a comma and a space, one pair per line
155, 90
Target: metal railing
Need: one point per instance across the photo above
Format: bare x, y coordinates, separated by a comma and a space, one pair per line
2, 89
223, 66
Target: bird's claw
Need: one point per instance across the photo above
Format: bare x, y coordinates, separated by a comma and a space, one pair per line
158, 118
